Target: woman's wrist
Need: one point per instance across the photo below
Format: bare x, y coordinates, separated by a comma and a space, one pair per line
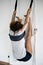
14, 13
29, 11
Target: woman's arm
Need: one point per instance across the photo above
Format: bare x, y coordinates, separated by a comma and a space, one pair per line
27, 19
13, 17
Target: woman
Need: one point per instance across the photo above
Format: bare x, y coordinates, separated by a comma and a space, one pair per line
21, 47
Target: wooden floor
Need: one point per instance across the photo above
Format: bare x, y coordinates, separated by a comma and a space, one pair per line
4, 63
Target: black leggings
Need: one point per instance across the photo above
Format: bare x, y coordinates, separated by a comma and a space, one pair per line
26, 58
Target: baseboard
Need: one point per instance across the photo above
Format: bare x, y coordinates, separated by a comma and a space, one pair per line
4, 63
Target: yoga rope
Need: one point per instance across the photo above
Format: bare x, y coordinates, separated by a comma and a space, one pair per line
16, 5
31, 4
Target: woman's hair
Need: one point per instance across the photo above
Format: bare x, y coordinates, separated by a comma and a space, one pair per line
15, 26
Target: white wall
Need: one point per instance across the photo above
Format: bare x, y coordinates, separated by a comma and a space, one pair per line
4, 20
6, 9
39, 39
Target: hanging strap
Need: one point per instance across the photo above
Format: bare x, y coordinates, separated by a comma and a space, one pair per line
16, 5
31, 3
15, 9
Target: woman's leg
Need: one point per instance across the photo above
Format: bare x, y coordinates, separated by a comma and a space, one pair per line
28, 39
28, 46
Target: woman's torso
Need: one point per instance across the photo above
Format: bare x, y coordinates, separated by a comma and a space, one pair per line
18, 47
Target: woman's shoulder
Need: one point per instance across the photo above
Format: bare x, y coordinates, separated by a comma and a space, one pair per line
11, 32
16, 33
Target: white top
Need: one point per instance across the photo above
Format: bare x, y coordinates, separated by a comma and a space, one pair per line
18, 47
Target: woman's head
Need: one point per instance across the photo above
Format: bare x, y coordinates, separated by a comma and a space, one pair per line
15, 26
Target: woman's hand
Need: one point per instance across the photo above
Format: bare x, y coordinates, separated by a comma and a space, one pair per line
19, 20
29, 11
14, 12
